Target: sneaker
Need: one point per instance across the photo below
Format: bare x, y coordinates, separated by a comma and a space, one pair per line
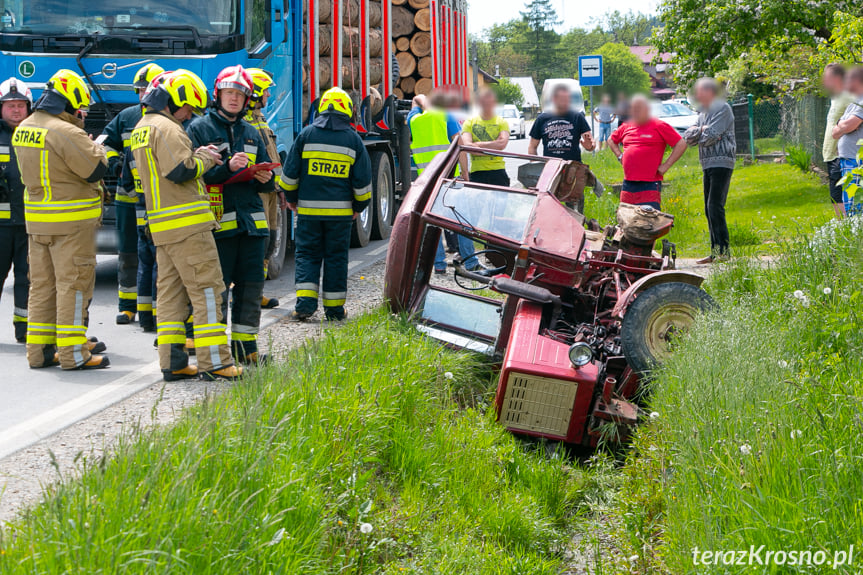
96, 346
230, 373
299, 317
269, 302
704, 261
125, 318
95, 362
188, 372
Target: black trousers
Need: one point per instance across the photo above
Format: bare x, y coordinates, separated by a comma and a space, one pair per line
13, 252
127, 258
242, 260
716, 184
491, 177
834, 174
322, 242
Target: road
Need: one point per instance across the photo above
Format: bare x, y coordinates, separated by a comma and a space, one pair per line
37, 403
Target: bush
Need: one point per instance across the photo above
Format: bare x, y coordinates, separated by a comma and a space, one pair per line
800, 158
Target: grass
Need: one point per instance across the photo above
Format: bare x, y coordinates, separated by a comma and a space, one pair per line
758, 438
369, 451
767, 204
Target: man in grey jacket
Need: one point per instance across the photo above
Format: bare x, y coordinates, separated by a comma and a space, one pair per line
714, 136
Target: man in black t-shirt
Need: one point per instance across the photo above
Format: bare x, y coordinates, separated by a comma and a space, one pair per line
562, 131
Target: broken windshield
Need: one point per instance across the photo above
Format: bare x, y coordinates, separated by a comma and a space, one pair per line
500, 212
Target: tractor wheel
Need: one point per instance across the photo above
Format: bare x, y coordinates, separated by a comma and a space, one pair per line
655, 317
361, 233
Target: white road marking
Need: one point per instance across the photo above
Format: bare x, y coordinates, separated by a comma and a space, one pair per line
379, 250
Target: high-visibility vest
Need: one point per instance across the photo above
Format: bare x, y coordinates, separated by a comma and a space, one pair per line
429, 137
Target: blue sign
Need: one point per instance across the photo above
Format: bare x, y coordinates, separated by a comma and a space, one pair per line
590, 70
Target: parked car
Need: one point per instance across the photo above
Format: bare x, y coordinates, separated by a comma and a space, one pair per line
680, 116
515, 119
577, 104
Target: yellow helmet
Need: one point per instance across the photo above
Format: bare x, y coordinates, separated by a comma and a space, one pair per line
338, 100
72, 87
145, 75
186, 87
261, 82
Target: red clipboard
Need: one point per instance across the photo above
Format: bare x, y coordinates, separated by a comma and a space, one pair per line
247, 174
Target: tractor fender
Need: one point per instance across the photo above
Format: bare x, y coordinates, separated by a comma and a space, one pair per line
668, 276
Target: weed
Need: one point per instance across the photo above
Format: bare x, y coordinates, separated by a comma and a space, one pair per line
799, 157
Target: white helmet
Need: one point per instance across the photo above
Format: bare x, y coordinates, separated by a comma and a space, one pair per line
14, 89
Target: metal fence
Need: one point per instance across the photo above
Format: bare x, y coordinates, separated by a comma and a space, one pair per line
766, 127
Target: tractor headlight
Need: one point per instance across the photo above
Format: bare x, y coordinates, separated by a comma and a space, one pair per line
580, 354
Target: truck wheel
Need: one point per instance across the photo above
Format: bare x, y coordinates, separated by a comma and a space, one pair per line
383, 196
361, 233
653, 319
277, 260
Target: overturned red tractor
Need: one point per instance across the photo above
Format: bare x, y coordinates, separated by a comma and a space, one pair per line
576, 316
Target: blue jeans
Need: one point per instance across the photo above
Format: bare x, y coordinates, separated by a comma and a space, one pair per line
604, 131
465, 250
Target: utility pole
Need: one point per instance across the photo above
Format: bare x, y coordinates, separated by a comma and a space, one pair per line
475, 59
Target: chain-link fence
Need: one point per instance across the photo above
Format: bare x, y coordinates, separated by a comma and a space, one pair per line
766, 127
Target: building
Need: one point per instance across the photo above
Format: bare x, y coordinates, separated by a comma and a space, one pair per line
528, 91
477, 78
658, 67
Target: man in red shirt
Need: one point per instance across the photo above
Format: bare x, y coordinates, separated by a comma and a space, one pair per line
644, 141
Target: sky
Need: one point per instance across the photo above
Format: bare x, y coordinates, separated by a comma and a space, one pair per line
484, 13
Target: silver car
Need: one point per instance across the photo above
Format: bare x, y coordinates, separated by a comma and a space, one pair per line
515, 119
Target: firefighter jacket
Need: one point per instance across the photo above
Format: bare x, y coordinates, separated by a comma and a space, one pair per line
242, 210
328, 173
171, 179
117, 134
11, 186
62, 168
257, 120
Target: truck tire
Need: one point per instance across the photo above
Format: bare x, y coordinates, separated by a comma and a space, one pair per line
383, 195
283, 235
654, 317
361, 233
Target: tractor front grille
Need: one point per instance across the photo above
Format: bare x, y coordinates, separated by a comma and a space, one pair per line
539, 405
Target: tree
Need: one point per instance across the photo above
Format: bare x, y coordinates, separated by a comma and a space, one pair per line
630, 28
579, 42
508, 92
541, 19
622, 71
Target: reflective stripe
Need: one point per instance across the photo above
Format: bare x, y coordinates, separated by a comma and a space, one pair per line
315, 151
19, 319
334, 302
325, 211
68, 217
308, 285
181, 222
307, 293
333, 298
5, 211
260, 219
154, 179
5, 150
145, 299
363, 194
210, 341
20, 312
243, 336
324, 204
335, 294
111, 152
78, 342
178, 209
171, 339
44, 178
250, 149
63, 211
238, 328
228, 222
41, 339
259, 216
199, 163
128, 295
126, 197
427, 149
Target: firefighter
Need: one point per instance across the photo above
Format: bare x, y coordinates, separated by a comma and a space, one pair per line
181, 224
242, 239
327, 181
121, 164
273, 200
16, 102
62, 168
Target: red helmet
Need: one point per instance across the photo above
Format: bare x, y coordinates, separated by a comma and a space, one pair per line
234, 77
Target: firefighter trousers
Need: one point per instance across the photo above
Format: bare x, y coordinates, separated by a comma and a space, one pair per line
127, 258
13, 253
61, 286
242, 259
146, 280
324, 242
189, 271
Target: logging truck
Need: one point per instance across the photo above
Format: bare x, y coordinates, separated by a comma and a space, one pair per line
308, 45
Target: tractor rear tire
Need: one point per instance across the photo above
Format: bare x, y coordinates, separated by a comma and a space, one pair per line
657, 315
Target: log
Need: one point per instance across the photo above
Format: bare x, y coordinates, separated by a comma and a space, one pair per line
418, 4
422, 20
421, 44
349, 8
351, 74
403, 44
398, 92
424, 86
377, 101
424, 67
350, 41
408, 85
324, 75
407, 63
403, 21
376, 16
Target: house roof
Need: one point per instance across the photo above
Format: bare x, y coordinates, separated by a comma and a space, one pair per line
647, 53
528, 90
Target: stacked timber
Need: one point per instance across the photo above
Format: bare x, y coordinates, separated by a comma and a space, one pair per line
413, 46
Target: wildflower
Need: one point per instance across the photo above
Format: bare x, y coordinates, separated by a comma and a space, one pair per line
362, 277
827, 291
783, 364
633, 558
796, 433
654, 415
448, 375
799, 294
366, 528
340, 523
745, 449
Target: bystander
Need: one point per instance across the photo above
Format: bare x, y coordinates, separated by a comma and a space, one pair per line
848, 133
604, 114
833, 80
490, 132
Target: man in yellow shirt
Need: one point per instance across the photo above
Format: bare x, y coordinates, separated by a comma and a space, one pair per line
489, 132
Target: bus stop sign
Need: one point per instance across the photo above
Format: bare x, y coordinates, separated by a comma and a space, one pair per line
590, 70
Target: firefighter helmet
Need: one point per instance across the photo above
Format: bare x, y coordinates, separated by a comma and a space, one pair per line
185, 87
233, 77
72, 87
146, 75
15, 89
337, 100
261, 82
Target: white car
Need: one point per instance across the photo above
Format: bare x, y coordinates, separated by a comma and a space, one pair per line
515, 119
680, 116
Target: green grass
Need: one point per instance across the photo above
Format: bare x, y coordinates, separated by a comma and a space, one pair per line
758, 438
767, 203
769, 145
372, 424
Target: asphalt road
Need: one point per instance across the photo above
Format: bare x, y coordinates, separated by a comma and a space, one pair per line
37, 403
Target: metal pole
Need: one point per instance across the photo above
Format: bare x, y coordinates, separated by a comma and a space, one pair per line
750, 101
475, 70
592, 119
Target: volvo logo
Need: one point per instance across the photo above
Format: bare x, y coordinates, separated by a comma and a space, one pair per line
109, 70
